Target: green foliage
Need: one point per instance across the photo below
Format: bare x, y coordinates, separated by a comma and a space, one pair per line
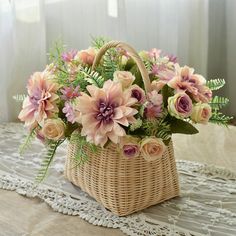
220, 119
92, 77
138, 78
148, 65
55, 53
215, 84
166, 93
136, 125
80, 152
50, 153
27, 142
218, 102
182, 127
19, 97
98, 42
158, 128
110, 63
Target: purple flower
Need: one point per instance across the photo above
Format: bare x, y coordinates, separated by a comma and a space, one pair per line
153, 108
129, 146
131, 150
154, 53
70, 93
69, 111
180, 105
172, 58
138, 93
69, 56
157, 69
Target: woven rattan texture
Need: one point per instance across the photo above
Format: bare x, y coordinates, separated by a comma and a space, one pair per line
124, 185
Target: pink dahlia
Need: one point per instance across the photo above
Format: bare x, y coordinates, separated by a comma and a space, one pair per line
105, 111
41, 100
186, 81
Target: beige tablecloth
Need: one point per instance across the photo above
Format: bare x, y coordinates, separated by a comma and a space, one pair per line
31, 216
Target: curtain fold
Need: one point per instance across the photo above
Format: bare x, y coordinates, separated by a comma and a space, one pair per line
201, 33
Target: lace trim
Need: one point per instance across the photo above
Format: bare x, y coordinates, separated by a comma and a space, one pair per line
134, 225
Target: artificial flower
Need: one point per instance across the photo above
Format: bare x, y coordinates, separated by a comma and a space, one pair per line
138, 93
201, 113
69, 56
152, 148
41, 102
71, 111
104, 111
53, 129
153, 107
157, 85
70, 92
185, 80
154, 53
123, 77
129, 146
86, 56
204, 94
180, 105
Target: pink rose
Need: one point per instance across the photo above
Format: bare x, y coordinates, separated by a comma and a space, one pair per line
152, 148
201, 113
86, 56
138, 93
124, 77
129, 146
180, 105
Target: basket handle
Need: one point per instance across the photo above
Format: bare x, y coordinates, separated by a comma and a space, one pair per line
133, 54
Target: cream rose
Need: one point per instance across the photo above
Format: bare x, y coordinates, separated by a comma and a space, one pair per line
152, 148
124, 77
180, 105
201, 113
53, 129
157, 85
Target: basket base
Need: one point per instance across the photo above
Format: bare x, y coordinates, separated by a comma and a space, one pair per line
122, 185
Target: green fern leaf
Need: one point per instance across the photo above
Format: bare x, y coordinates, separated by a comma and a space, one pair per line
92, 77
50, 153
218, 102
80, 153
215, 84
148, 65
220, 119
27, 142
98, 42
110, 65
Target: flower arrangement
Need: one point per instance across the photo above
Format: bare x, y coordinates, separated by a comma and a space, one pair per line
110, 105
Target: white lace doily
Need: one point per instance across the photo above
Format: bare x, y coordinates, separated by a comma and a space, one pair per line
207, 205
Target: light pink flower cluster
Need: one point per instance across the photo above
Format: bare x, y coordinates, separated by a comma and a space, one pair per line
69, 56
153, 107
103, 112
41, 102
195, 85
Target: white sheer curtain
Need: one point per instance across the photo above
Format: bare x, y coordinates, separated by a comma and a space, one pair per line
201, 33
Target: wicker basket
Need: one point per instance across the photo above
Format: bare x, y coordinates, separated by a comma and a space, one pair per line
120, 184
